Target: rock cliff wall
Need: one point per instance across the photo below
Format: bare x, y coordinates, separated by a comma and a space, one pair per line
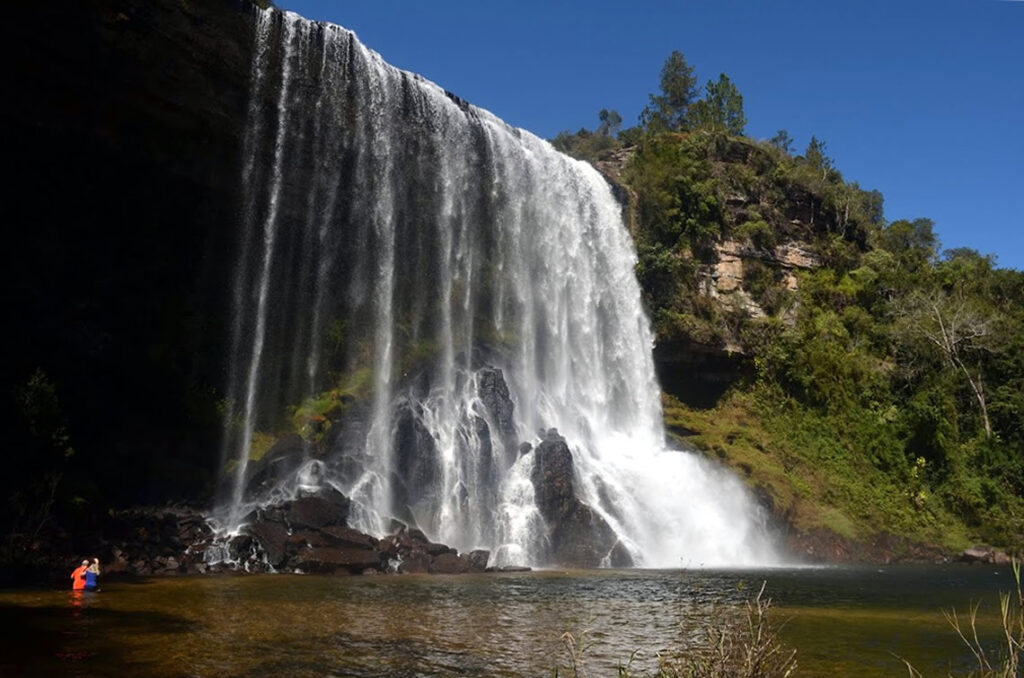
123, 132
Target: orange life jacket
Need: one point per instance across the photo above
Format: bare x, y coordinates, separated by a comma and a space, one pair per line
78, 578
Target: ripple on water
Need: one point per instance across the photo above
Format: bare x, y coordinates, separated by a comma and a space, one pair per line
843, 621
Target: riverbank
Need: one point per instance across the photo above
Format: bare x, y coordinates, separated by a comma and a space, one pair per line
310, 535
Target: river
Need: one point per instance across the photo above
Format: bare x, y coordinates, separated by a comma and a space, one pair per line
843, 621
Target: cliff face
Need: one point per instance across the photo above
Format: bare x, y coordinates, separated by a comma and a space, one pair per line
124, 133
724, 226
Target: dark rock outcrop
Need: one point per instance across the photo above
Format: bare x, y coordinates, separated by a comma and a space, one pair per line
273, 539
578, 535
317, 512
495, 396
335, 560
279, 462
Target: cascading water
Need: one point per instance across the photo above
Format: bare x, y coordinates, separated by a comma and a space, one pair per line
410, 260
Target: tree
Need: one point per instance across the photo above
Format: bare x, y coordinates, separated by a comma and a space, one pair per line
721, 109
959, 328
782, 141
815, 156
913, 243
610, 123
678, 91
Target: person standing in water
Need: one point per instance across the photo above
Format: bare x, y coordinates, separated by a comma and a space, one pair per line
92, 575
78, 576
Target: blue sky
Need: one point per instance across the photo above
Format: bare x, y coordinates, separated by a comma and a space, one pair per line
921, 100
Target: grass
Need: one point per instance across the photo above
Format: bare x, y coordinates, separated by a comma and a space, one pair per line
1007, 662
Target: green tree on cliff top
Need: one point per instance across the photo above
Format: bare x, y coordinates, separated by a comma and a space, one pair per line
721, 109
678, 83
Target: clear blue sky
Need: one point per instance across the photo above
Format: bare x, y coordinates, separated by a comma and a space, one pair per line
921, 100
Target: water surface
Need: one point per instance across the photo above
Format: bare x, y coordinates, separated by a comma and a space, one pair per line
842, 621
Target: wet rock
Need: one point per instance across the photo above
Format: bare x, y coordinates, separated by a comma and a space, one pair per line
272, 539
239, 546
495, 396
307, 538
415, 534
317, 512
327, 560
347, 537
417, 456
620, 556
414, 562
450, 563
579, 536
478, 560
435, 550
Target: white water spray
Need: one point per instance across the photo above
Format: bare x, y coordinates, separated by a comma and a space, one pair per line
447, 246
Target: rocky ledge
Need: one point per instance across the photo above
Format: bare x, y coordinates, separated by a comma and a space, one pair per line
308, 534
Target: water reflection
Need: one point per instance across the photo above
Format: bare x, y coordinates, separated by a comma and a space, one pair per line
844, 621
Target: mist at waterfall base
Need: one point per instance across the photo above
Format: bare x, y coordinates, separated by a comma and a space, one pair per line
397, 238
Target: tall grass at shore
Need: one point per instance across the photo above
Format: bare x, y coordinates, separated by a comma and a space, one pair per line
1007, 660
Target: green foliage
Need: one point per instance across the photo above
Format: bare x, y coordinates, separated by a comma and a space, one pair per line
886, 392
668, 110
782, 141
677, 196
720, 110
584, 144
591, 145
911, 243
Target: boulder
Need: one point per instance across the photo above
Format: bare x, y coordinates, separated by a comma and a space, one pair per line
239, 546
494, 395
414, 562
620, 556
316, 512
272, 539
478, 560
435, 549
450, 563
578, 535
278, 463
304, 538
337, 535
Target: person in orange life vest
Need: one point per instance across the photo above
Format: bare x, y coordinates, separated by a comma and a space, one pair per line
78, 576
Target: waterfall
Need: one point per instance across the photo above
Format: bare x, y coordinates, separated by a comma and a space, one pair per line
421, 288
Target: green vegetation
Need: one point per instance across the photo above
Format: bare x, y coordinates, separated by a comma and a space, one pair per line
880, 380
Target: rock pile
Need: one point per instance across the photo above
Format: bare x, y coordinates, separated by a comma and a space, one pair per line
311, 534
164, 541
